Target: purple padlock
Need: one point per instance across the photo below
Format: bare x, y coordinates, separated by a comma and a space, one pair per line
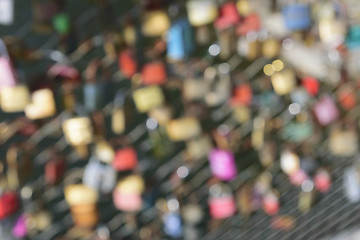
222, 164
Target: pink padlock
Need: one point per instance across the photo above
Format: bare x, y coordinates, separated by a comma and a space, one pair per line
7, 72
326, 111
222, 164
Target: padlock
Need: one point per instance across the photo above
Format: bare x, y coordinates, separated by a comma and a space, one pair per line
148, 98
179, 40
153, 73
19, 229
199, 147
61, 23
54, 169
129, 34
118, 121
250, 25
322, 180
326, 110
82, 201
311, 85
19, 165
297, 16
195, 89
118, 118
271, 48
183, 129
244, 7
14, 99
351, 184
258, 133
201, 12
298, 131
220, 85
353, 37
78, 131
307, 196
347, 97
8, 76
332, 31
227, 43
172, 223
242, 95
42, 104
9, 204
93, 88
289, 161
221, 201
155, 23
283, 82
161, 114
6, 12
99, 176
267, 154
343, 141
298, 177
222, 164
244, 199
125, 159
99, 173
271, 202
192, 213
241, 114
228, 16
249, 47
127, 193
127, 63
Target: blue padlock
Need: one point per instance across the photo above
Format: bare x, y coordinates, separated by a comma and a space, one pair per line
353, 37
173, 224
180, 40
297, 17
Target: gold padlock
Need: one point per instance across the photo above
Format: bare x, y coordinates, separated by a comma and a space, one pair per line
148, 98
82, 201
78, 131
155, 23
42, 105
118, 120
283, 82
201, 12
183, 128
14, 99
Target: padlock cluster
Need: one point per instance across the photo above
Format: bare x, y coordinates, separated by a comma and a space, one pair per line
176, 117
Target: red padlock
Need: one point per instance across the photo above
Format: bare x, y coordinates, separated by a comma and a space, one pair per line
271, 203
347, 97
229, 16
249, 24
154, 73
127, 63
54, 170
9, 204
311, 85
125, 159
243, 95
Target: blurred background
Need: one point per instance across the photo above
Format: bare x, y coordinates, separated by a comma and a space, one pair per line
166, 119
